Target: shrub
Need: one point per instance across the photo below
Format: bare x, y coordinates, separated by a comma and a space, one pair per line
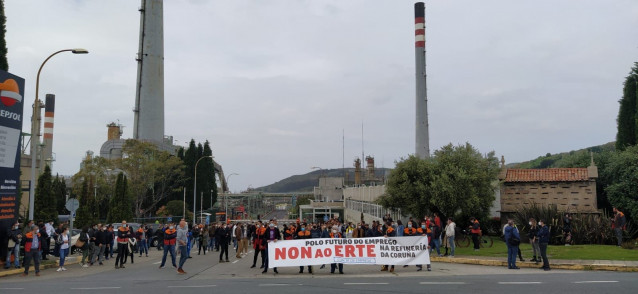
587, 228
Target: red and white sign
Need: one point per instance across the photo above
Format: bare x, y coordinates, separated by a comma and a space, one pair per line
379, 250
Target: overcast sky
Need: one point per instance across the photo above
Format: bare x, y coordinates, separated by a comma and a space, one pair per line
272, 84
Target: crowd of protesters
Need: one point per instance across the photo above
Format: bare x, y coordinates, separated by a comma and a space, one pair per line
100, 242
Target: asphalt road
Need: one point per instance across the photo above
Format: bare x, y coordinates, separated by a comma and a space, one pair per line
206, 275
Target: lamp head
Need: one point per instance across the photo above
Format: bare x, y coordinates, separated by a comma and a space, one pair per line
80, 51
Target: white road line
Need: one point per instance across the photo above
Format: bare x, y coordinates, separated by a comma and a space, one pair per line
366, 283
590, 282
442, 283
194, 286
235, 261
11, 288
274, 285
157, 262
96, 288
519, 283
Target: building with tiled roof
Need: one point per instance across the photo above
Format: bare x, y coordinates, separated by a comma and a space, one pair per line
569, 189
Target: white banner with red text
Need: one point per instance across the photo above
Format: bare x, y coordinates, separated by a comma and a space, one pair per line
379, 250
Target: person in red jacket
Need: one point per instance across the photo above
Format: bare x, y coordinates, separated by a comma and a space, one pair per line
32, 248
170, 233
123, 234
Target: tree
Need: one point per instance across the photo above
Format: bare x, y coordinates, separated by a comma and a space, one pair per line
120, 206
173, 208
100, 171
4, 64
85, 215
622, 192
45, 202
627, 120
59, 193
154, 175
457, 180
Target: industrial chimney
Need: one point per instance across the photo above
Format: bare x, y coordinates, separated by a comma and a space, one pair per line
49, 113
149, 98
422, 132
357, 172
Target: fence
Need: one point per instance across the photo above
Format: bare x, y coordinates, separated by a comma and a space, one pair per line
375, 210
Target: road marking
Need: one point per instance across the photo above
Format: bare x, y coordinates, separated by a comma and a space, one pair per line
271, 285
157, 262
194, 286
590, 282
11, 288
96, 288
442, 283
366, 283
235, 261
519, 283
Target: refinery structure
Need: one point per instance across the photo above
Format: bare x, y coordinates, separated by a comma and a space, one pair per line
148, 110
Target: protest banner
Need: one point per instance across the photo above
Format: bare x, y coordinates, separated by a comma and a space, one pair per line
378, 250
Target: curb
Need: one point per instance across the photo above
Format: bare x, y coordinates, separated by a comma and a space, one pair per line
563, 266
17, 271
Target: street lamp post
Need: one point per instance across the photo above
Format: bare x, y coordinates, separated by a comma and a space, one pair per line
226, 195
34, 121
195, 188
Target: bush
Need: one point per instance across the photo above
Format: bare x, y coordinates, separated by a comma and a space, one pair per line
587, 228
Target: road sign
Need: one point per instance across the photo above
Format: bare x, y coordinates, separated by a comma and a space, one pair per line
72, 204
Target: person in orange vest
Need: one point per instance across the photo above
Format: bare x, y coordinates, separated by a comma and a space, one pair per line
424, 231
304, 233
475, 231
170, 233
32, 248
123, 234
389, 232
259, 240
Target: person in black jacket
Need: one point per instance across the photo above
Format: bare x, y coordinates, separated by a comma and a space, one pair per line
543, 240
101, 241
15, 237
533, 240
223, 235
271, 235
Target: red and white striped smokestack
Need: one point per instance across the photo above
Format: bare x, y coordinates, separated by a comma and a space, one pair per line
422, 128
49, 112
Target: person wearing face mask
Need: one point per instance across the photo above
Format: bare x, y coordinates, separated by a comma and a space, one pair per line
450, 232
543, 241
533, 240
512, 239
123, 234
63, 239
423, 231
272, 235
32, 248
304, 233
334, 234
259, 240
224, 238
409, 230
101, 239
169, 244
15, 237
389, 232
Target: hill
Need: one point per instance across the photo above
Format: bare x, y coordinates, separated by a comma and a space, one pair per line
575, 158
306, 182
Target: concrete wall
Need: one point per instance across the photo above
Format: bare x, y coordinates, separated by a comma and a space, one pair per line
364, 193
330, 189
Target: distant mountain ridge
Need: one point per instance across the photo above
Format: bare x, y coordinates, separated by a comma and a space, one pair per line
574, 158
306, 182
